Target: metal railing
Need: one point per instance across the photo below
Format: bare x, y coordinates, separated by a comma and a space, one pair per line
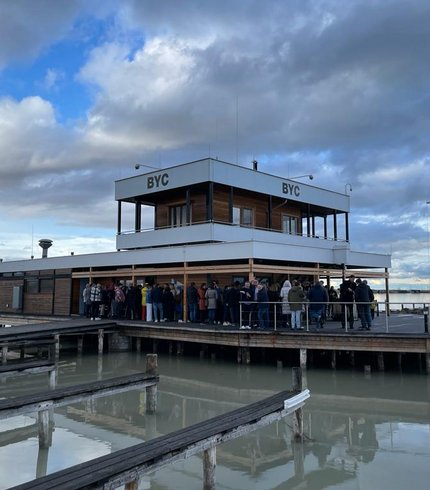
275, 310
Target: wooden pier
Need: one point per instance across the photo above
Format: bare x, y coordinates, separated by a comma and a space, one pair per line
128, 465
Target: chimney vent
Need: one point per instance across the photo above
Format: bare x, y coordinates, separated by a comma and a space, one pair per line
45, 244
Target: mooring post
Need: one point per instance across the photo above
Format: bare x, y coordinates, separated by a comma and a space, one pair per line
4, 354
80, 345
100, 338
380, 361
151, 391
333, 359
42, 462
303, 358
45, 429
57, 347
298, 414
209, 465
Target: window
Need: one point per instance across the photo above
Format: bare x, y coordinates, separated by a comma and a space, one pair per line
46, 285
32, 285
178, 215
289, 224
242, 216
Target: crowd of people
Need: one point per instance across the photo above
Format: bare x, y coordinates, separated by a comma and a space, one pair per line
244, 305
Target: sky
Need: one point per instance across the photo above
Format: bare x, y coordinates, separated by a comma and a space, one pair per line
89, 88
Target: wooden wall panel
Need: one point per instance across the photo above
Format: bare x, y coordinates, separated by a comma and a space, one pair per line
38, 303
6, 294
63, 292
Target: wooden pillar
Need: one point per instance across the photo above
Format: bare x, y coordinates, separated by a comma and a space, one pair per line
303, 358
80, 345
347, 227
381, 366
4, 354
399, 360
427, 362
52, 379
170, 347
333, 359
179, 348
42, 462
209, 465
184, 294
298, 414
239, 355
45, 431
57, 347
151, 391
132, 485
352, 359
100, 338
155, 346
387, 294
334, 224
22, 352
138, 345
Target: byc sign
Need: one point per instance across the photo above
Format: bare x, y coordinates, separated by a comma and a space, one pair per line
291, 189
157, 181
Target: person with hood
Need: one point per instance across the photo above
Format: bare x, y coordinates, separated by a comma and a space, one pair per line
318, 299
296, 297
363, 298
286, 311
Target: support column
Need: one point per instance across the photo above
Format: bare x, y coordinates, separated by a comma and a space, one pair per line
151, 391
171, 347
209, 465
303, 359
387, 293
118, 227
100, 340
352, 359
80, 345
347, 227
57, 347
155, 346
138, 345
42, 462
399, 360
381, 366
230, 205
179, 348
45, 432
427, 362
298, 414
52, 379
333, 359
334, 224
4, 354
99, 366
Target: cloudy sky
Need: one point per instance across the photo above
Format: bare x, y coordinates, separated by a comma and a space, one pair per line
339, 89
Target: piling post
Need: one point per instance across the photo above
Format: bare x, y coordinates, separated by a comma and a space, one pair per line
52, 379
381, 366
171, 348
303, 358
45, 429
427, 362
333, 359
100, 340
4, 354
239, 355
132, 485
298, 414
247, 355
57, 347
80, 345
151, 391
352, 358
209, 465
399, 360
138, 345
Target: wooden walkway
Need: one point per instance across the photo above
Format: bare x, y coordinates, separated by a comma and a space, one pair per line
131, 463
10, 407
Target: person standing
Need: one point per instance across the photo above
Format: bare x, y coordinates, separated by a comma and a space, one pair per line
201, 291
87, 300
263, 307
96, 297
211, 299
347, 289
363, 297
157, 303
286, 311
144, 290
246, 298
318, 299
192, 300
296, 297
149, 303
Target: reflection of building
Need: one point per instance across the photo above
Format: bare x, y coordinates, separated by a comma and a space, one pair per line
211, 220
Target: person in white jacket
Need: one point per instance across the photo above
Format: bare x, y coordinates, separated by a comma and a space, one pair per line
286, 311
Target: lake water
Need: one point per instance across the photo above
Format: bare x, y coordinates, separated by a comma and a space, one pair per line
408, 300
362, 431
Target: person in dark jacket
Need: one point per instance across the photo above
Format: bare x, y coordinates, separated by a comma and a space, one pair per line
157, 303
192, 301
363, 297
263, 307
318, 299
233, 298
347, 289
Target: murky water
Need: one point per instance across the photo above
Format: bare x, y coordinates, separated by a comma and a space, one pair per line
362, 432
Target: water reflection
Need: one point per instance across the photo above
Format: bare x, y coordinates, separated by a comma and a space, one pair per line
361, 431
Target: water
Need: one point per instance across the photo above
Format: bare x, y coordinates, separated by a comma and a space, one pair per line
362, 432
407, 300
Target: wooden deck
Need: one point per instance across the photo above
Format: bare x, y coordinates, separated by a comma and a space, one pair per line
10, 407
131, 463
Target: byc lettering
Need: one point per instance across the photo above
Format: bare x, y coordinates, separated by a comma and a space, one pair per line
291, 189
157, 181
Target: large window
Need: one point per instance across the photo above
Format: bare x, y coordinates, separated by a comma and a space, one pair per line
290, 224
243, 216
178, 215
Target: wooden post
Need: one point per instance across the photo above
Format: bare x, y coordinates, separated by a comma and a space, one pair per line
138, 345
239, 355
45, 432
151, 391
427, 363
333, 359
209, 465
52, 378
213, 356
303, 358
247, 355
22, 353
279, 365
352, 359
132, 485
80, 345
298, 414
171, 348
399, 360
380, 361
4, 354
367, 369
154, 346
42, 462
100, 339
99, 366
57, 347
